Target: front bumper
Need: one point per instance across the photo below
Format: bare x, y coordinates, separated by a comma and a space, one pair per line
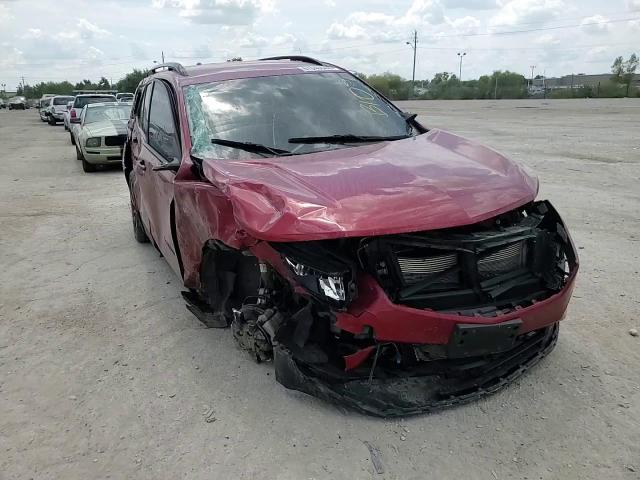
432, 358
408, 393
103, 155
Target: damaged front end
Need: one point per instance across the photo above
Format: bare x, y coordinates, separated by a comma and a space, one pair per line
408, 323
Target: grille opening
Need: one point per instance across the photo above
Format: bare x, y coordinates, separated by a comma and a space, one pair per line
115, 140
491, 268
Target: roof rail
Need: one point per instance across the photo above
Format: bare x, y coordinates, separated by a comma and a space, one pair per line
171, 66
295, 58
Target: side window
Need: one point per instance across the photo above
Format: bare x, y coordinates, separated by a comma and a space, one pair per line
144, 111
137, 102
162, 127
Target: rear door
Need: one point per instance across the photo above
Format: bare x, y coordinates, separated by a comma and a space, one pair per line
162, 146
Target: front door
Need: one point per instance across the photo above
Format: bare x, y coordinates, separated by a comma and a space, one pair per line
156, 186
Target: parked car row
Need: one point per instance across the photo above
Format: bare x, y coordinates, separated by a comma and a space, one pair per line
97, 124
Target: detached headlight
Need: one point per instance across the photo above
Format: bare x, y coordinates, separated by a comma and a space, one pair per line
93, 142
331, 286
324, 274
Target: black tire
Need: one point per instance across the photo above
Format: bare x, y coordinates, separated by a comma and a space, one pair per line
138, 228
79, 155
73, 140
88, 167
52, 121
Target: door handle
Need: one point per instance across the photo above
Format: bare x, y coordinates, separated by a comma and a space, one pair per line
142, 164
134, 140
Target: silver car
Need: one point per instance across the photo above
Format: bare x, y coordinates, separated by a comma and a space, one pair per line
101, 134
56, 108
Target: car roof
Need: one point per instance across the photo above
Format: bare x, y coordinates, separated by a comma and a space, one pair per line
196, 74
104, 104
95, 95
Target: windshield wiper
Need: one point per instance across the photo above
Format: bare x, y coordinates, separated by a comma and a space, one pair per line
249, 146
347, 138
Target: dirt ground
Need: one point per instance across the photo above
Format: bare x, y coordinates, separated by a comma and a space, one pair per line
105, 374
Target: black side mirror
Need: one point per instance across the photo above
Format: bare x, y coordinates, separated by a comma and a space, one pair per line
172, 166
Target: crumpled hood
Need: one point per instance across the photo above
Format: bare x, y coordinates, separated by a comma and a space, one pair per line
435, 180
107, 128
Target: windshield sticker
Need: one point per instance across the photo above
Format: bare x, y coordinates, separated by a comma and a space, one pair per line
318, 68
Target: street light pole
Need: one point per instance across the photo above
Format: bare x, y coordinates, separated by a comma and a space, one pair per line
415, 47
533, 67
460, 71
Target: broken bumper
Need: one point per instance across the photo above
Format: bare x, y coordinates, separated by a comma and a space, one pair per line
452, 382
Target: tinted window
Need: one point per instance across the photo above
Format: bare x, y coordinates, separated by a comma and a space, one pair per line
144, 112
101, 114
270, 110
162, 128
82, 101
62, 100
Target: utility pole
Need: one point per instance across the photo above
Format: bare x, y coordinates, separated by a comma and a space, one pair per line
460, 71
495, 91
533, 67
544, 84
162, 56
415, 47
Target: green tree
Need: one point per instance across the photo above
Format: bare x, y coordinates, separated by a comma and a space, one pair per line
104, 84
623, 72
390, 85
131, 80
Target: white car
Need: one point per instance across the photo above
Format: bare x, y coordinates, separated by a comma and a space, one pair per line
65, 116
101, 134
79, 103
57, 107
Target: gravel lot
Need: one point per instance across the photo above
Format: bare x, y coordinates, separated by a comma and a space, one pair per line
105, 374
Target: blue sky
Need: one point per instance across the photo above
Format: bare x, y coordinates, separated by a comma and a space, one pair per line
74, 39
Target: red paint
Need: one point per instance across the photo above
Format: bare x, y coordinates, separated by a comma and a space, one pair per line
356, 359
398, 323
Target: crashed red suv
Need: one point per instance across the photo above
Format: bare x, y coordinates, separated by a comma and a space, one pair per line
390, 267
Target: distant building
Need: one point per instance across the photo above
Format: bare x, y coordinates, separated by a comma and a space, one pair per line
578, 80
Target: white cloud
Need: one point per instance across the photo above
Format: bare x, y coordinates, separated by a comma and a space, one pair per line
284, 39
339, 31
221, 12
515, 12
33, 33
464, 25
470, 4
385, 27
547, 40
10, 56
330, 3
633, 5
252, 40
5, 14
595, 24
88, 30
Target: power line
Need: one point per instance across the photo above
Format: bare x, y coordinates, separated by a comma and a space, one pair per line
558, 27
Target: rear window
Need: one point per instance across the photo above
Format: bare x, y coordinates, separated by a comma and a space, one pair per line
82, 101
62, 100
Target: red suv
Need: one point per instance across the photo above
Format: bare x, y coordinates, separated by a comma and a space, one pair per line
381, 264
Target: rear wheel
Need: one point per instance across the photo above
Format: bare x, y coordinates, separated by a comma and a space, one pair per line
73, 140
138, 228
